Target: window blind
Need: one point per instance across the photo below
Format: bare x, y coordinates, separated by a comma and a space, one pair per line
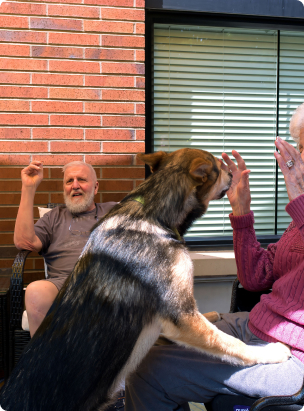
216, 89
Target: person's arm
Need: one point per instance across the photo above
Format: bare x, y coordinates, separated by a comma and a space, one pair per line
24, 234
254, 263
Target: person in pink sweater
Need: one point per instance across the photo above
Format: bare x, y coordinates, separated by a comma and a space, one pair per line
171, 376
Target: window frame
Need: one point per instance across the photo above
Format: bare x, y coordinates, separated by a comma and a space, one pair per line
216, 20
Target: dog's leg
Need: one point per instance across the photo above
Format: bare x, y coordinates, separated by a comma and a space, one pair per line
195, 331
212, 316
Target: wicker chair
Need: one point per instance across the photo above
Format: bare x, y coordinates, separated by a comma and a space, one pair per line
243, 300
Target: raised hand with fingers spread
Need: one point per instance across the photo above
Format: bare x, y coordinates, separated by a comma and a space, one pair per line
239, 192
292, 166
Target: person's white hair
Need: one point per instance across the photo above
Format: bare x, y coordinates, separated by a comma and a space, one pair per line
297, 123
80, 163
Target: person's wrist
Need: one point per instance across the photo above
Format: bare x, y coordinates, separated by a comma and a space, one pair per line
238, 211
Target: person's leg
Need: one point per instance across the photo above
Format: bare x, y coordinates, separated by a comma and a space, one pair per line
171, 375
39, 297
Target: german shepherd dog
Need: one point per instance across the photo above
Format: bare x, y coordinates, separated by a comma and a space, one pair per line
132, 281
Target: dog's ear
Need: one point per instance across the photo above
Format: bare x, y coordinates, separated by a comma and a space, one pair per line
200, 169
154, 160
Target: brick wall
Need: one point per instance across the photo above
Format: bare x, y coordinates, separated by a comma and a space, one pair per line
72, 88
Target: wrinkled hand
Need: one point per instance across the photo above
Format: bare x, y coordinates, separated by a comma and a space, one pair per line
32, 175
294, 175
239, 192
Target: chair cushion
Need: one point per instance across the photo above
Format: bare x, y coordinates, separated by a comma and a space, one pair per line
43, 210
24, 322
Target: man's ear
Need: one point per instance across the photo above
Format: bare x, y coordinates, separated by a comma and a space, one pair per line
96, 188
154, 160
200, 169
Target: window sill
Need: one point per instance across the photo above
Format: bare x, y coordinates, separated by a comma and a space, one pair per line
213, 264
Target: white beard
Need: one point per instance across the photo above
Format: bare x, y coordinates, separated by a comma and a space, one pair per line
80, 205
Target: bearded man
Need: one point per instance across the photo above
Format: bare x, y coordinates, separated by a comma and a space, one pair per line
60, 235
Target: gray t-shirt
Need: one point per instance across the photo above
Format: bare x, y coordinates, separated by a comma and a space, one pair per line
59, 233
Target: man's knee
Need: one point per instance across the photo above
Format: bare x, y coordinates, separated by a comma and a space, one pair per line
39, 296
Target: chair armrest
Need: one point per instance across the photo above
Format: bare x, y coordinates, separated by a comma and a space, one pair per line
296, 398
16, 288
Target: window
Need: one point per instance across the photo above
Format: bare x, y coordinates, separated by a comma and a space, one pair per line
220, 89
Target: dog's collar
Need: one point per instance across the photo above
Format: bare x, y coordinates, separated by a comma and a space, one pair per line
141, 200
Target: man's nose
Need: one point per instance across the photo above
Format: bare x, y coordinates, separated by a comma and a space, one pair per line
75, 184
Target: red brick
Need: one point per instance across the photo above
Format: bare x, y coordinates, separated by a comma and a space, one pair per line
57, 198
140, 109
109, 134
140, 28
14, 160
140, 55
122, 14
123, 121
138, 182
64, 1
58, 133
140, 82
14, 21
123, 41
21, 64
56, 160
10, 185
56, 173
124, 95
23, 36
14, 134
109, 81
6, 239
102, 159
119, 3
74, 93
109, 108
107, 26
140, 3
24, 119
109, 54
77, 39
14, 105
49, 185
23, 146
55, 24
10, 172
112, 197
73, 11
129, 172
9, 212
74, 66
114, 185
23, 8
140, 135
76, 120
77, 147
127, 147
57, 79
57, 52
14, 50
23, 92
14, 78
124, 68
57, 106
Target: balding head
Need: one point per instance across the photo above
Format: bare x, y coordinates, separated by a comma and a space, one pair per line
297, 123
81, 163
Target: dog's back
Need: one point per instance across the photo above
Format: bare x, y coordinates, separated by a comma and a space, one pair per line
104, 319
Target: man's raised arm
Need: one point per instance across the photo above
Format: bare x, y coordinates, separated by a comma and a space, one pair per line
24, 234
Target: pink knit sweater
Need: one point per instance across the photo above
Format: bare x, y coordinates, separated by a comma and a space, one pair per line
279, 316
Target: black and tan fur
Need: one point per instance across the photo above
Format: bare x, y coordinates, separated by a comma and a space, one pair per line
132, 281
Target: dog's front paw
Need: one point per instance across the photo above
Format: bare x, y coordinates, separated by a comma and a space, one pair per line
273, 353
212, 316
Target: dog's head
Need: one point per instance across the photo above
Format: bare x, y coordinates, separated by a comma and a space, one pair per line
205, 173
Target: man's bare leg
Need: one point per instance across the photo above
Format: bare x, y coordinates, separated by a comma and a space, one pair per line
39, 296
